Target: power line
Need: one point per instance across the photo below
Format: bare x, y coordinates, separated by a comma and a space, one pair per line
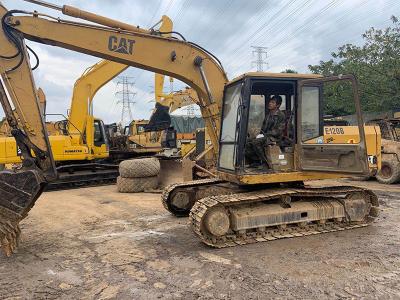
154, 14
261, 54
328, 34
169, 5
289, 36
259, 29
279, 19
127, 96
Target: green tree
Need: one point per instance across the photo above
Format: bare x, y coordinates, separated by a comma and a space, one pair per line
376, 64
289, 71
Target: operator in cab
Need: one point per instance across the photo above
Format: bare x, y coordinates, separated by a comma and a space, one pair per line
271, 133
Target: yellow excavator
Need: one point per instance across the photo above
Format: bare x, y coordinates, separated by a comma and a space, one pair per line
137, 138
241, 205
153, 136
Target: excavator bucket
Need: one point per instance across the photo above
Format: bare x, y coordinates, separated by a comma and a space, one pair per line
160, 119
18, 193
171, 172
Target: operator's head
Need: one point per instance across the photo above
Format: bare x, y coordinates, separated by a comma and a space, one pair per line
274, 102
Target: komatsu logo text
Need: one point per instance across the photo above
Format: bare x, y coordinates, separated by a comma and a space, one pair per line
120, 45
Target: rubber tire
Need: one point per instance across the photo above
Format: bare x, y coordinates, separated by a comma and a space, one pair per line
137, 185
395, 176
138, 168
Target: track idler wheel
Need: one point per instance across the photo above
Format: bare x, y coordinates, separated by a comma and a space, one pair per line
217, 222
18, 193
181, 203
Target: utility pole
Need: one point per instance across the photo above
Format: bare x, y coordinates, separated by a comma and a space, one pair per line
261, 55
126, 96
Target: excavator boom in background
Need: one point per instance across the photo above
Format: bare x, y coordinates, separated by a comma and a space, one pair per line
242, 204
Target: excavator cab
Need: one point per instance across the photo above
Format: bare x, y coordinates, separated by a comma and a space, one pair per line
301, 147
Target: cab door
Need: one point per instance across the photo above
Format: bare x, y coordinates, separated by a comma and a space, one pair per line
230, 127
316, 99
100, 141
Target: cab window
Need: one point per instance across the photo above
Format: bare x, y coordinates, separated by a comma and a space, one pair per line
328, 114
229, 130
99, 136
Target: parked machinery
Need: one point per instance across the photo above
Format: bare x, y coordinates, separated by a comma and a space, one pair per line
242, 205
390, 171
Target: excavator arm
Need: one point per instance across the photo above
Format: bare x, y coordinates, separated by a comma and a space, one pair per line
108, 39
180, 99
85, 88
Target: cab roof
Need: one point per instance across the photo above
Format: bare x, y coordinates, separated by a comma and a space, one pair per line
276, 76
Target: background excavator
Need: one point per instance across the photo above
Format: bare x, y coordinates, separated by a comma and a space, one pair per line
242, 205
389, 173
80, 144
154, 136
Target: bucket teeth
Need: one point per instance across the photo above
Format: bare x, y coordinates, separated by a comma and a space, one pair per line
18, 194
9, 237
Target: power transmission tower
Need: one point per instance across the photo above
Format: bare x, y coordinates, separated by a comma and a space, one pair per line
126, 98
261, 54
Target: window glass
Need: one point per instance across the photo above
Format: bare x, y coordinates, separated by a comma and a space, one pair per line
231, 105
283, 105
97, 132
333, 121
227, 156
256, 114
310, 113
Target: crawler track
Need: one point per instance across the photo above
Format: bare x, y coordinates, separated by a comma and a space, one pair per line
167, 194
320, 197
87, 175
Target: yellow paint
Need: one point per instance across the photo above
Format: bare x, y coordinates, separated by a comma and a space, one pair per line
350, 135
279, 177
186, 148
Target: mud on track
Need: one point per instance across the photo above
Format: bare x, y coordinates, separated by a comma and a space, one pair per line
94, 243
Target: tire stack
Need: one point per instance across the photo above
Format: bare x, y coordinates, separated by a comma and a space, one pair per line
138, 175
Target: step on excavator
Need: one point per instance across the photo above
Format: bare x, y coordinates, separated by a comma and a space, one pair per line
242, 204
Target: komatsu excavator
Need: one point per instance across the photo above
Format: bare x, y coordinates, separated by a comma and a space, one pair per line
79, 142
242, 205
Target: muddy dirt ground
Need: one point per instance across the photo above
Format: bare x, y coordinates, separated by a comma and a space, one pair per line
93, 243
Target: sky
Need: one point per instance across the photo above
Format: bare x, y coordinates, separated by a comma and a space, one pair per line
297, 33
